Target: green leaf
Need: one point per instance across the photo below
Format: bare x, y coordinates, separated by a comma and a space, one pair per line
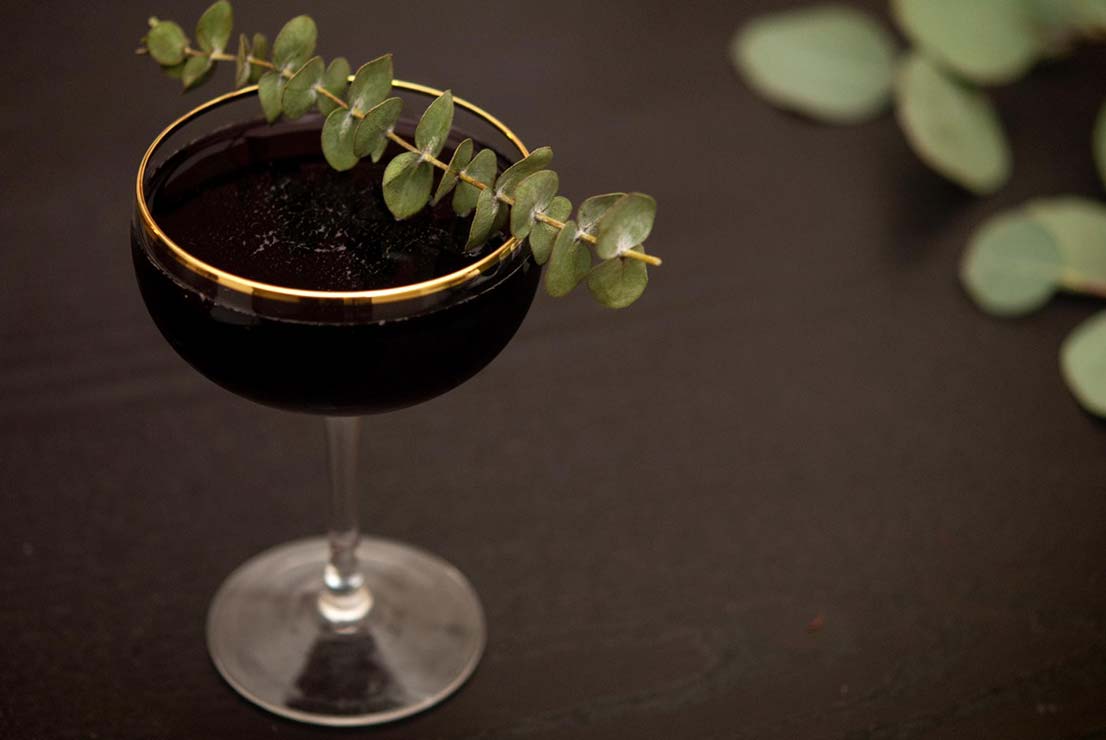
592, 209
536, 160
166, 43
372, 131
952, 128
214, 27
1078, 226
175, 71
407, 182
625, 225
483, 223
196, 71
542, 235
532, 196
241, 62
1083, 363
299, 92
295, 43
1099, 143
569, 262
829, 62
434, 126
482, 169
259, 50
987, 41
462, 155
270, 88
371, 84
1012, 265
618, 282
337, 139
335, 81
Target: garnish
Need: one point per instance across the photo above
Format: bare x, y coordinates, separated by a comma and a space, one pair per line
360, 121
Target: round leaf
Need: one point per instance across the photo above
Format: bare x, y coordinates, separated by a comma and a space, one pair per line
269, 90
482, 169
295, 43
241, 62
407, 182
986, 41
1083, 363
483, 223
434, 126
371, 136
592, 209
952, 128
259, 50
532, 195
337, 139
214, 27
618, 282
299, 92
371, 84
335, 81
166, 43
568, 264
625, 225
830, 62
462, 155
1078, 226
196, 70
542, 235
536, 160
1012, 266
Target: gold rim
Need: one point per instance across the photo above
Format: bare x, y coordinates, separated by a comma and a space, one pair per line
254, 287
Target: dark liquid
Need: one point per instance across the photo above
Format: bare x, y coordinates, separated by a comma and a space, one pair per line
260, 202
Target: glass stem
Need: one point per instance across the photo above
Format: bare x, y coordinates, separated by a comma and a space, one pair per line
344, 597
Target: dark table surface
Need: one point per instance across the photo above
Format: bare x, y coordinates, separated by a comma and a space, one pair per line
804, 420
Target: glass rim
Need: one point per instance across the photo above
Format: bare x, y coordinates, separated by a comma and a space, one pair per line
251, 287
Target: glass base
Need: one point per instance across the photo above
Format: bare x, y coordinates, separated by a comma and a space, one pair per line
420, 639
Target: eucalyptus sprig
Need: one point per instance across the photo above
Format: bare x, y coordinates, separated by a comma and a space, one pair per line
361, 118
837, 64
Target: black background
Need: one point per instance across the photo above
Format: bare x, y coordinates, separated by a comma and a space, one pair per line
803, 418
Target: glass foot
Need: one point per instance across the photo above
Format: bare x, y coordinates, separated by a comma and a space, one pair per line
420, 639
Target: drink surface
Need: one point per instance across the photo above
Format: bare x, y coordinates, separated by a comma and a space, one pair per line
260, 202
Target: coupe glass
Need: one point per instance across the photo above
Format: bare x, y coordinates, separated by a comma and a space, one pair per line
342, 629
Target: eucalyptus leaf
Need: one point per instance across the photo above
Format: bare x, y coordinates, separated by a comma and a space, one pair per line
407, 183
462, 155
299, 92
952, 128
1012, 265
196, 71
371, 136
1078, 225
433, 128
987, 41
533, 195
214, 27
295, 43
337, 139
482, 168
166, 43
536, 160
830, 62
259, 50
241, 62
1083, 363
371, 84
542, 235
175, 72
618, 282
624, 225
592, 209
483, 223
1099, 143
335, 81
569, 262
270, 88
